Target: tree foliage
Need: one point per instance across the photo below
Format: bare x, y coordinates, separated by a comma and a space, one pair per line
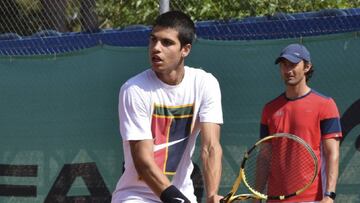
120, 13
28, 16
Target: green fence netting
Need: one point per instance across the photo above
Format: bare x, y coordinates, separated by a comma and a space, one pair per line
59, 126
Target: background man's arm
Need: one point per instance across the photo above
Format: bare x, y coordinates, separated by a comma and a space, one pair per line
331, 148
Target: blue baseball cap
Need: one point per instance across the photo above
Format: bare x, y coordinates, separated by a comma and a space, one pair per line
294, 53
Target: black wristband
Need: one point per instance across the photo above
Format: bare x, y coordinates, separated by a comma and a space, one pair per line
332, 195
173, 195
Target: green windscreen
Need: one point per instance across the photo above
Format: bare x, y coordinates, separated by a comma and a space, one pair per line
59, 129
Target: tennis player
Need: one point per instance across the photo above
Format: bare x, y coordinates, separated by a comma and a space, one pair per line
304, 112
161, 112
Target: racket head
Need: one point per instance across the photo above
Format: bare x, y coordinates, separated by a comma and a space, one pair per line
279, 166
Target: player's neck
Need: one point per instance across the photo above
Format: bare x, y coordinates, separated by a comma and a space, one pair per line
293, 92
173, 77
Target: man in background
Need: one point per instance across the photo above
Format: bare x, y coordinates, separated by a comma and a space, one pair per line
310, 115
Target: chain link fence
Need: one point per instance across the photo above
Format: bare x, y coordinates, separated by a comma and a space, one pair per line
55, 26
27, 17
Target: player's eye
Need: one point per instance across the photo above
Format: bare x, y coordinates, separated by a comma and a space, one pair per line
167, 42
153, 39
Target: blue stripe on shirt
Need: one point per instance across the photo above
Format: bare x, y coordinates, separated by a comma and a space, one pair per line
264, 131
331, 125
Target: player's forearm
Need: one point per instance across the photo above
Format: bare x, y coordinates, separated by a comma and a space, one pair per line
211, 160
153, 177
211, 154
147, 169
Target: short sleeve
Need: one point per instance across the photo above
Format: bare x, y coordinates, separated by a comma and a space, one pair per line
135, 123
210, 107
330, 120
264, 128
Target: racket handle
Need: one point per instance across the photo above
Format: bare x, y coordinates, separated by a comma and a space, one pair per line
225, 199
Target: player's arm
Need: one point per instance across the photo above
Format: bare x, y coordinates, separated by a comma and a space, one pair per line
331, 154
143, 158
211, 154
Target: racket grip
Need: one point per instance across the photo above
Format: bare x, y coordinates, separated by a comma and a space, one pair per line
225, 199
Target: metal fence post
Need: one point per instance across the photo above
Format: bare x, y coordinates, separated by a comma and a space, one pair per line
164, 6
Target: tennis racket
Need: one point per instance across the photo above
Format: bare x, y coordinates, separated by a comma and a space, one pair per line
277, 167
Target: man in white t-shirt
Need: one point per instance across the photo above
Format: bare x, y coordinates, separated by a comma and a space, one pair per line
161, 111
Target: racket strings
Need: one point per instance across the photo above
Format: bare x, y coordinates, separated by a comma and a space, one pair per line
257, 168
279, 166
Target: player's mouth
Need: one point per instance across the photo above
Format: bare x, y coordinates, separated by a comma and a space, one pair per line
156, 59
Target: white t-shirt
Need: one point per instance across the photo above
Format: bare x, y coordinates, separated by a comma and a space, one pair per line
170, 115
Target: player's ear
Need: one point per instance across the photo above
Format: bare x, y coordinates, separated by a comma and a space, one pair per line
307, 66
185, 50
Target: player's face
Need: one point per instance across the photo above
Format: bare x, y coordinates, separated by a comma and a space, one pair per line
293, 73
165, 51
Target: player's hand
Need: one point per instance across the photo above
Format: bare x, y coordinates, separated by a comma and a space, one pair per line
214, 199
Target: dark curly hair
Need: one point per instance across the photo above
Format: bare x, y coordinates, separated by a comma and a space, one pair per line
309, 74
